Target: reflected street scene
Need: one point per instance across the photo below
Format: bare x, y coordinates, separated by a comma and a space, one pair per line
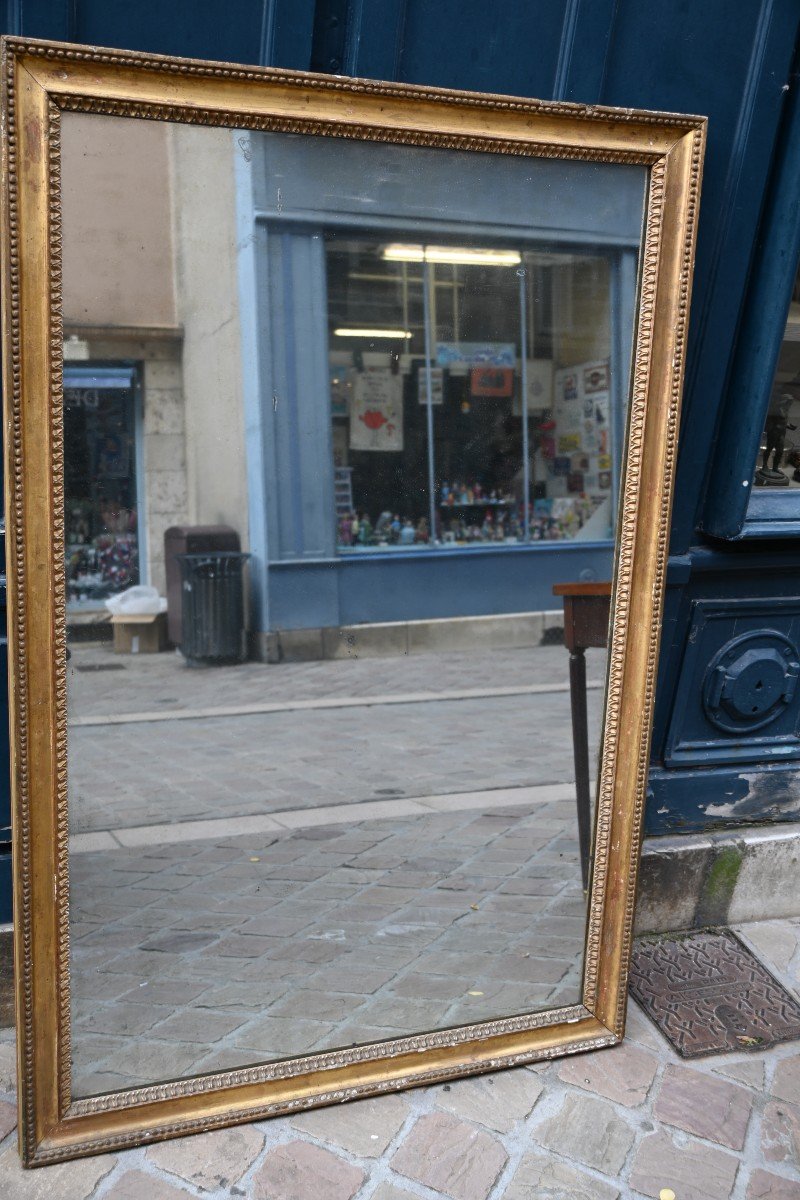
344, 429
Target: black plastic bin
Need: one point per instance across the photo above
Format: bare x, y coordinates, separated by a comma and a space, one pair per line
213, 607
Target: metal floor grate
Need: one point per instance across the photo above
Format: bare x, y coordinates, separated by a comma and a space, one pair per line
709, 994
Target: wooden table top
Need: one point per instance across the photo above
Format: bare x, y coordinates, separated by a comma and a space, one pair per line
582, 589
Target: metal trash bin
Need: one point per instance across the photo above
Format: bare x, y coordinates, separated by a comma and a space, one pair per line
213, 631
189, 539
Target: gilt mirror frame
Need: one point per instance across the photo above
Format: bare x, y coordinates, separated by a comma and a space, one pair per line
40, 81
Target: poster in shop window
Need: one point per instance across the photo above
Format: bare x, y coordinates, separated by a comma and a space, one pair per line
437, 385
491, 381
475, 354
376, 410
567, 413
341, 379
582, 418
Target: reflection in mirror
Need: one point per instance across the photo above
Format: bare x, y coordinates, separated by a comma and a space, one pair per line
778, 461
338, 418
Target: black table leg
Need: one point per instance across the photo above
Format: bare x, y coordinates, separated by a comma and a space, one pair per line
580, 750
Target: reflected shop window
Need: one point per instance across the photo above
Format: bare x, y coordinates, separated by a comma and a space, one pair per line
471, 396
102, 515
778, 461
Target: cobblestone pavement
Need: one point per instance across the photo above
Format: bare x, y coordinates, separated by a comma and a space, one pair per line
168, 768
339, 860
103, 683
282, 879
621, 1124
206, 955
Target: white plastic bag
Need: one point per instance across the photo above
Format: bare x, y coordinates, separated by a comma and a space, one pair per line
136, 601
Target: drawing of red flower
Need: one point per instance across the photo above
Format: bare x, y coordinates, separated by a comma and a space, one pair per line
373, 418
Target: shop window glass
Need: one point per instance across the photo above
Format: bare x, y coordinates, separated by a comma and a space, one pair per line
101, 526
471, 393
778, 460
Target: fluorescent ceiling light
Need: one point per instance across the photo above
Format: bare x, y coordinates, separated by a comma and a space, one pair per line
456, 255
373, 333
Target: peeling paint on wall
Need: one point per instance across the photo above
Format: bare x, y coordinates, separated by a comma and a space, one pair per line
767, 796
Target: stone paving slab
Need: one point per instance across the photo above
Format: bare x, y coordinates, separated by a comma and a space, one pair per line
178, 939
207, 955
281, 873
553, 1131
136, 775
274, 757
162, 683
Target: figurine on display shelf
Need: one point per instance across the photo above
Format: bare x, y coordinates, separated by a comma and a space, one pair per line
111, 565
118, 561
422, 532
775, 428
383, 526
83, 574
78, 533
346, 529
463, 492
500, 521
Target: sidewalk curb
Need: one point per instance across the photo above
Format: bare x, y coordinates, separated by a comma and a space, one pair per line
748, 874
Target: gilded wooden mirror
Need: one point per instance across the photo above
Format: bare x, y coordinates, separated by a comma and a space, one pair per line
341, 421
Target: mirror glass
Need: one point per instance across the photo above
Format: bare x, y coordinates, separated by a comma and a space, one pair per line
339, 417
778, 459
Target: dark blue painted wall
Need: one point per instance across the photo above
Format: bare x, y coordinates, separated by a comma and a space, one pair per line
732, 60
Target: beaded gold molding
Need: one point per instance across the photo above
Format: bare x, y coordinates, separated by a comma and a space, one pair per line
330, 1059
40, 80
298, 1104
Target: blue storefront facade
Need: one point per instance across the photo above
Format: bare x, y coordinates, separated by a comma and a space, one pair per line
733, 585
311, 237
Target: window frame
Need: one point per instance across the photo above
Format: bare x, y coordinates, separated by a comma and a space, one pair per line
623, 262
735, 510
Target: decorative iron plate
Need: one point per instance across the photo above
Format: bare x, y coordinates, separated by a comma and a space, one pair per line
709, 994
